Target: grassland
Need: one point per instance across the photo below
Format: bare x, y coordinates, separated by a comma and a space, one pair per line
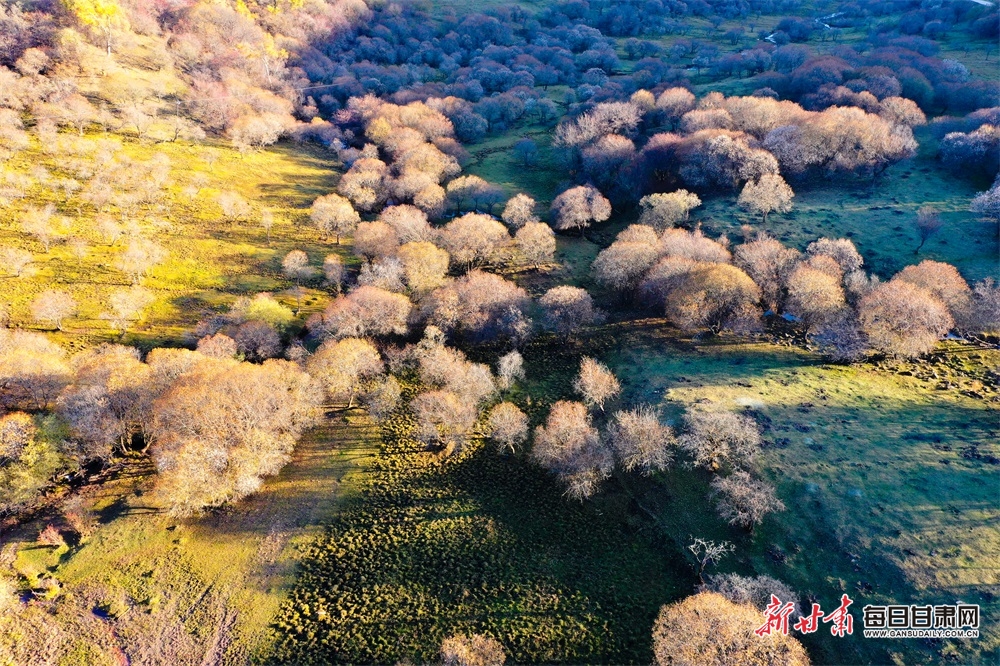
165, 590
888, 473
211, 260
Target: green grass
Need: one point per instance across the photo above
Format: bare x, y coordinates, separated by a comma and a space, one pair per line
190, 587
477, 542
211, 261
887, 498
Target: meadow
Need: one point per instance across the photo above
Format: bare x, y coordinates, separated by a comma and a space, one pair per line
373, 546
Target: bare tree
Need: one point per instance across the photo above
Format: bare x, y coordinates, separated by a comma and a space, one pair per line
508, 426
766, 195
840, 250
296, 266
708, 553
928, 223
510, 368
334, 214
474, 239
768, 263
333, 272
424, 264
744, 500
565, 310
382, 399
17, 261
366, 311
578, 206
139, 257
480, 305
519, 211
903, 319
33, 370
942, 280
596, 383
224, 426
374, 240
570, 446
79, 248
127, 306
474, 650
39, 223
640, 441
709, 630
53, 306
217, 346
664, 210
234, 206
443, 419
536, 242
814, 295
344, 365
755, 591
409, 222
267, 222
257, 341
718, 439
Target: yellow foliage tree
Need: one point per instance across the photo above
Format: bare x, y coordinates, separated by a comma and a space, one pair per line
103, 16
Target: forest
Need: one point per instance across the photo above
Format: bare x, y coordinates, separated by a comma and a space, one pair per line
536, 331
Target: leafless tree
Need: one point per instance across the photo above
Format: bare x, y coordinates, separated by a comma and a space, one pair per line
224, 426
519, 211
720, 439
383, 398
565, 310
664, 210
596, 383
443, 419
409, 222
508, 426
267, 222
53, 306
333, 272
374, 240
768, 263
424, 264
840, 250
39, 223
481, 306
570, 446
708, 553
366, 311
127, 306
33, 370
814, 296
257, 341
472, 650
578, 207
744, 500
928, 223
17, 262
217, 346
108, 402
334, 215
641, 441
755, 591
903, 319
536, 242
510, 368
709, 630
474, 239
139, 257
234, 206
344, 365
766, 195
942, 280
